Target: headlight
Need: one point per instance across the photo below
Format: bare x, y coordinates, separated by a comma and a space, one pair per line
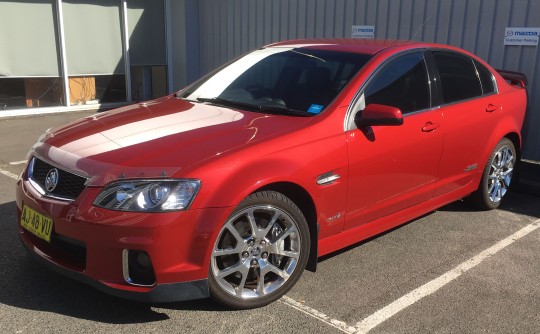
148, 195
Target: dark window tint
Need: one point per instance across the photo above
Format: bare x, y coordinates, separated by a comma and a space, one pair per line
486, 78
458, 77
402, 84
299, 79
265, 73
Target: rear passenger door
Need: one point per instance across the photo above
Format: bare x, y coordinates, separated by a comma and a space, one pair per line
470, 109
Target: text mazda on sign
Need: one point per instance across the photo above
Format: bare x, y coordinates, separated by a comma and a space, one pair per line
235, 184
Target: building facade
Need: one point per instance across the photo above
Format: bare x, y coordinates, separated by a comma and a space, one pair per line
60, 55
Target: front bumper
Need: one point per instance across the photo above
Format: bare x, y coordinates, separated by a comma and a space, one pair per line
88, 242
161, 293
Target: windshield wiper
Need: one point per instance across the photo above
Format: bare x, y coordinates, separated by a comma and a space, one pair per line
225, 102
283, 110
275, 109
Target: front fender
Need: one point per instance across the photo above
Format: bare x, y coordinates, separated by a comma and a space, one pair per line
228, 180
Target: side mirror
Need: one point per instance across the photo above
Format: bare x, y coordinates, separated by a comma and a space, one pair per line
378, 114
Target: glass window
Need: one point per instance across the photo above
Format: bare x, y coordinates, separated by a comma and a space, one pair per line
402, 83
29, 39
31, 92
305, 80
148, 82
29, 60
486, 78
102, 88
95, 61
264, 74
458, 76
147, 52
146, 30
93, 37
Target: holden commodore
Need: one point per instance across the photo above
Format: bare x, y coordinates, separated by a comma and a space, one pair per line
233, 186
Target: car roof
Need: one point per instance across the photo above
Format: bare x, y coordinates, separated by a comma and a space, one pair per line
355, 45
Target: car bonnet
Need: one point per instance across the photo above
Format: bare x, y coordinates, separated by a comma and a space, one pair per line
156, 139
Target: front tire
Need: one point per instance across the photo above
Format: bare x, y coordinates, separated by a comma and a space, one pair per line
497, 176
260, 252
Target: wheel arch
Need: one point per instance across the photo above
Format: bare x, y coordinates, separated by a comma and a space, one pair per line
512, 135
516, 140
305, 202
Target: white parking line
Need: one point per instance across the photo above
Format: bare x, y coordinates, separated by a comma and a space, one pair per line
9, 174
342, 326
431, 287
15, 163
412, 297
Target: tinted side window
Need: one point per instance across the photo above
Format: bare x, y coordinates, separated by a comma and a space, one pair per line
486, 78
458, 76
402, 83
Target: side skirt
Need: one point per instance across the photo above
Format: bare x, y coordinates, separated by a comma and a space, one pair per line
368, 230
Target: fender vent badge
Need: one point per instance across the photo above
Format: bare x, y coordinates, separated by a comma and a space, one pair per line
327, 178
471, 167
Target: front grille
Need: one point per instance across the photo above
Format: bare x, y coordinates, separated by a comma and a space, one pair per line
69, 185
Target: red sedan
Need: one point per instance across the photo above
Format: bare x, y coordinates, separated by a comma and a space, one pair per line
231, 187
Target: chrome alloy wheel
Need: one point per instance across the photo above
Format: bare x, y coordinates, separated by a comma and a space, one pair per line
500, 173
256, 252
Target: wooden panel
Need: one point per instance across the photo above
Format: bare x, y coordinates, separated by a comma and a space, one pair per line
82, 89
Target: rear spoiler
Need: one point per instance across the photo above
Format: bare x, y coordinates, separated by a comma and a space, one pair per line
514, 78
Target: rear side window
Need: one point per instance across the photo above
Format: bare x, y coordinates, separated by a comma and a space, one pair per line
458, 76
486, 78
402, 83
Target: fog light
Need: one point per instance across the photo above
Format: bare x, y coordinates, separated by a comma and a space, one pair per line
137, 267
142, 260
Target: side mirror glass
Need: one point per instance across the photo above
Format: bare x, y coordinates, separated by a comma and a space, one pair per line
378, 114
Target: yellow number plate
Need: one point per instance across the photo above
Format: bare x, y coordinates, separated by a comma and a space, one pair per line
38, 224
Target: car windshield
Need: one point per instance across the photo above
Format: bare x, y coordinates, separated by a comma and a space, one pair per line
284, 80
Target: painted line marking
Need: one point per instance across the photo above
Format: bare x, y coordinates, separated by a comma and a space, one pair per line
431, 287
15, 163
342, 326
529, 182
531, 161
9, 174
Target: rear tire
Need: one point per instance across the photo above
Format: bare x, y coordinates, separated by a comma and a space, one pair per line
497, 176
260, 252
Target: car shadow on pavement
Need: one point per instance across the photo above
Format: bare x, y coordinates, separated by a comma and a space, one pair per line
515, 202
29, 285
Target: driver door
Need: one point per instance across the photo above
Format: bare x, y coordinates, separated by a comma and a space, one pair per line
394, 167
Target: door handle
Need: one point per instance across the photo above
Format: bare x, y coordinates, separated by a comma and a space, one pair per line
429, 126
491, 107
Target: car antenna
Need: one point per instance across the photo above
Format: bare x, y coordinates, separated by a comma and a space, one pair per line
421, 28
